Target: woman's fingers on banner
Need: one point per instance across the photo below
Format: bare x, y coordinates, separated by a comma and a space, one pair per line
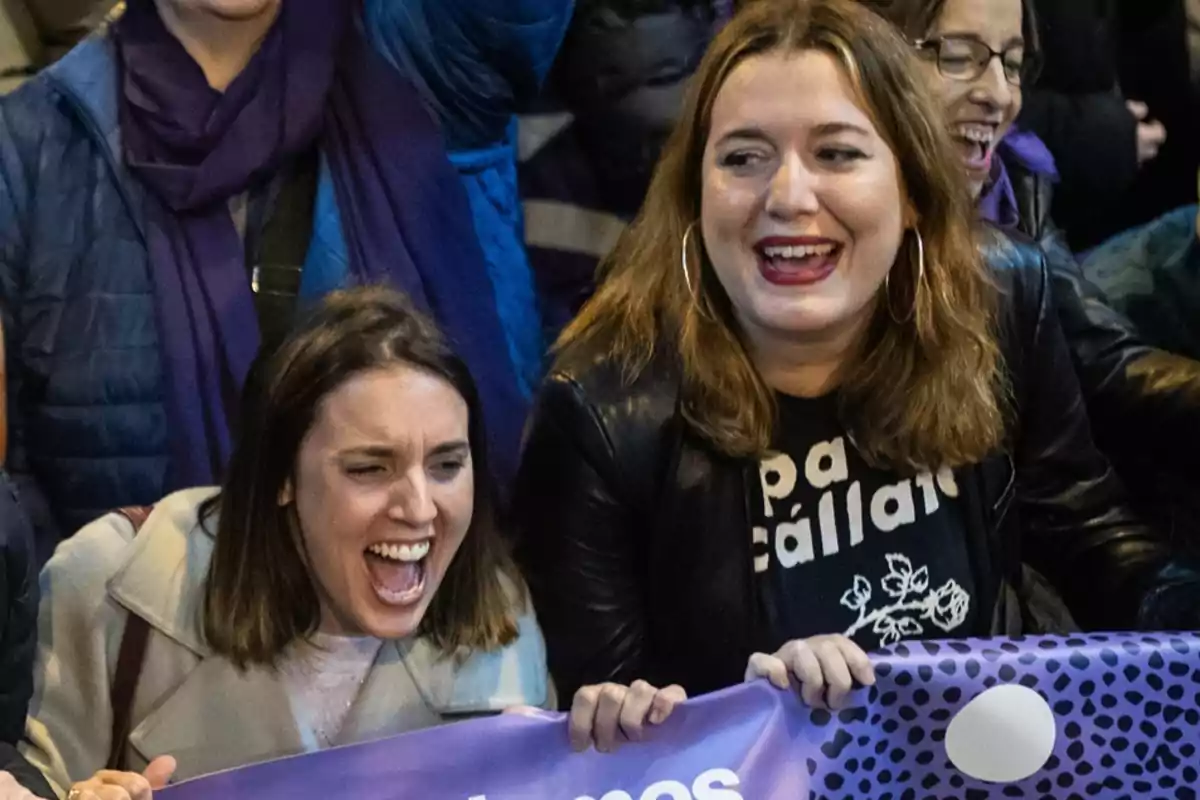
838, 682
805, 665
827, 667
770, 667
113, 785
120, 785
858, 661
607, 719
664, 703
583, 717
635, 710
609, 714
158, 773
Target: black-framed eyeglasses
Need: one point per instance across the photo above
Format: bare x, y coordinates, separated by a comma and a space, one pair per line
964, 58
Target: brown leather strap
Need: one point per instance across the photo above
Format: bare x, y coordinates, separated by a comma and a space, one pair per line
129, 669
129, 665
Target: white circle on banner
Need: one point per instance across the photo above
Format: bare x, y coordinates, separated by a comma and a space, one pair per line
1005, 734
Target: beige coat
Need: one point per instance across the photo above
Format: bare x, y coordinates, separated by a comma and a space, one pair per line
196, 706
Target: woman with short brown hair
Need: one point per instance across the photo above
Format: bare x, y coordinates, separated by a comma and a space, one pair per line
801, 416
347, 582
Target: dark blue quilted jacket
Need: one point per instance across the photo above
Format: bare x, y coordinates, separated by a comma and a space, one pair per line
87, 422
87, 425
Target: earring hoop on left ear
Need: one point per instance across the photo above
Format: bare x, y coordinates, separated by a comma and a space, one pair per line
694, 290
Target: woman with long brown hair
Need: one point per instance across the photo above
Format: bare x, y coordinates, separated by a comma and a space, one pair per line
347, 582
801, 416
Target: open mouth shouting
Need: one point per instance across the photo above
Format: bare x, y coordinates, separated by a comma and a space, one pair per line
398, 570
798, 260
977, 143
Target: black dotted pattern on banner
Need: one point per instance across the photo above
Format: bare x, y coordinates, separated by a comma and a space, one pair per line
1127, 710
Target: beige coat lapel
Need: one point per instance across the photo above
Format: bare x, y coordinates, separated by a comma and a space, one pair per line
200, 709
220, 718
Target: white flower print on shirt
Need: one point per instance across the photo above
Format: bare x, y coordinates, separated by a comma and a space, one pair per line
946, 607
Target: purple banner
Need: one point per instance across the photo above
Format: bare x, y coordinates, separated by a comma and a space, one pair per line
1106, 716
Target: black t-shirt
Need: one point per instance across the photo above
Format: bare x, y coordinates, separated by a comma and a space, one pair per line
841, 547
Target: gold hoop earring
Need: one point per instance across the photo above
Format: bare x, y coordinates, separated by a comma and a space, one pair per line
887, 283
687, 273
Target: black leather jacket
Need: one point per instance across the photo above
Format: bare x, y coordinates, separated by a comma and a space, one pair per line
635, 537
1144, 402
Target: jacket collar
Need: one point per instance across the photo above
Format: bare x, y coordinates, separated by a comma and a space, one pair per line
89, 77
162, 579
1032, 193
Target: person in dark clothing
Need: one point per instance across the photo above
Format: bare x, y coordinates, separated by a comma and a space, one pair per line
1155, 66
297, 160
1145, 408
753, 436
1151, 274
18, 622
620, 76
18, 636
1144, 401
18, 614
1114, 105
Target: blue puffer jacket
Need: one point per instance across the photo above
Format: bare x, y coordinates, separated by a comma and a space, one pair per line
87, 425
476, 63
87, 422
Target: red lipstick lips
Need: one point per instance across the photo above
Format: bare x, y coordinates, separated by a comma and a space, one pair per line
797, 260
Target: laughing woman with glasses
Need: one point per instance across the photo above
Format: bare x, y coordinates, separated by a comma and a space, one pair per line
980, 57
979, 101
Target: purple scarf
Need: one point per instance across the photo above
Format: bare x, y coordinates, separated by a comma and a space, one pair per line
406, 217
998, 201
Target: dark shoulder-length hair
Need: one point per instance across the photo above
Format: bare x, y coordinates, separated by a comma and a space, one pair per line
927, 391
259, 596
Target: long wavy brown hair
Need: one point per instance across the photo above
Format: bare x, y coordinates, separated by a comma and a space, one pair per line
924, 392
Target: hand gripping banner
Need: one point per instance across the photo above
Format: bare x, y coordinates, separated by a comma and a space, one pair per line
1096, 716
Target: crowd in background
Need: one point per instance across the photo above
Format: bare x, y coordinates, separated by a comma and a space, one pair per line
694, 323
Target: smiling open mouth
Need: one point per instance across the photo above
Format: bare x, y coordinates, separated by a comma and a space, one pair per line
398, 570
976, 142
797, 263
